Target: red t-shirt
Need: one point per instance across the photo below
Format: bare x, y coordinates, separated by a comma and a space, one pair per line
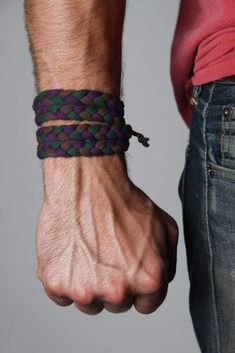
203, 47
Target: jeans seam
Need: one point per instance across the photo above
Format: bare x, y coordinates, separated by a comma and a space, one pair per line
182, 178
222, 144
184, 174
214, 302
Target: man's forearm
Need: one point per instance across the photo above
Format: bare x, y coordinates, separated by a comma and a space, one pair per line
76, 44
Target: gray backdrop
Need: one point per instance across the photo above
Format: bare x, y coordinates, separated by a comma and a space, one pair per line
29, 321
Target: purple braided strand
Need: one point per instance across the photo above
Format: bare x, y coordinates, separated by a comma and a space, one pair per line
110, 134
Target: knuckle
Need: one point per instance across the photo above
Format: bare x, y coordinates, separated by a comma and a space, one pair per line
116, 294
83, 296
54, 286
153, 285
155, 281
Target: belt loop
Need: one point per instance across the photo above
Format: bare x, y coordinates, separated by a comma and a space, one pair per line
196, 90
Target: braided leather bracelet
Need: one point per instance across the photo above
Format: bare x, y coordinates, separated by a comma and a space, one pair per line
109, 135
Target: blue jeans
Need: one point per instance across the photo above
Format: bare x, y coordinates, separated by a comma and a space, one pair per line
207, 193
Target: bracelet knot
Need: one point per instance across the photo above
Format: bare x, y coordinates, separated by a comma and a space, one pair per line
141, 138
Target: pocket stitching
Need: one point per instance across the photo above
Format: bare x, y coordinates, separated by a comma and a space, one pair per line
220, 172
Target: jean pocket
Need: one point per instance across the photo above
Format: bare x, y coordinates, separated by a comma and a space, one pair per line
220, 135
219, 172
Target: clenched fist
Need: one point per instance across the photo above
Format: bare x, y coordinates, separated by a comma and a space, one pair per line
101, 241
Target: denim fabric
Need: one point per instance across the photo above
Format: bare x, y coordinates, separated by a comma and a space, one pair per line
207, 193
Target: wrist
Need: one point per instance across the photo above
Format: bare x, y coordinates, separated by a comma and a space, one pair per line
63, 176
84, 78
